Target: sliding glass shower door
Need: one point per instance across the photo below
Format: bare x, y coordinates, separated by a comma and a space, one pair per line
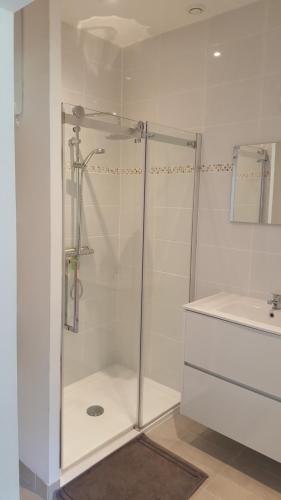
103, 169
167, 275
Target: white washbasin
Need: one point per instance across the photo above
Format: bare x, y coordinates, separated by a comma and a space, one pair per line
252, 312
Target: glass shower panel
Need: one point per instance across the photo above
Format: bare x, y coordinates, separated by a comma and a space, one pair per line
100, 361
170, 164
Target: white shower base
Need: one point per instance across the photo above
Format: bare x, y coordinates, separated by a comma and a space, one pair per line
115, 389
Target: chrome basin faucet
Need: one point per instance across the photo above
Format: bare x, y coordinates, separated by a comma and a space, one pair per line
275, 300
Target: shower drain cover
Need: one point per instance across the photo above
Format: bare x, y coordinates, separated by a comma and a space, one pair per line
95, 411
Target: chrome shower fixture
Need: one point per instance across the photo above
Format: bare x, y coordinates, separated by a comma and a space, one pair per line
128, 133
80, 113
73, 255
117, 131
97, 151
119, 137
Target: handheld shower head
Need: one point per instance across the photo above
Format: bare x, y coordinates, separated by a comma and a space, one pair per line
97, 151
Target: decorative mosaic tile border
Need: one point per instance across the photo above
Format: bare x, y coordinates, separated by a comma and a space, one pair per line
157, 170
216, 167
246, 173
167, 170
252, 175
180, 169
188, 169
97, 169
228, 167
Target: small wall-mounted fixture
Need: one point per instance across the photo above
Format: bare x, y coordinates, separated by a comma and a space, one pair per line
217, 53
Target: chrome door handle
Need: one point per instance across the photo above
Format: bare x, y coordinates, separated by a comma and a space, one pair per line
80, 291
74, 262
72, 259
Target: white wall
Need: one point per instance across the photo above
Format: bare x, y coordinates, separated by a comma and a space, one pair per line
169, 202
55, 240
9, 482
91, 71
159, 83
39, 243
91, 76
109, 308
175, 79
243, 106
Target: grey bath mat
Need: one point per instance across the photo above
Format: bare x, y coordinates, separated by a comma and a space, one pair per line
140, 470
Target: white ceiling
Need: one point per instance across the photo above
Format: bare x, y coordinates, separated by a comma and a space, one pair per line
124, 22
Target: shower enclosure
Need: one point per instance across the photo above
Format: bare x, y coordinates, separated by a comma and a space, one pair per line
130, 203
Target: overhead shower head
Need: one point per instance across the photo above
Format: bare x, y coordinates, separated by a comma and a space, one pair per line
80, 113
128, 133
119, 137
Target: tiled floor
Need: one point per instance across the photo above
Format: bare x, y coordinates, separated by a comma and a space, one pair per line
235, 472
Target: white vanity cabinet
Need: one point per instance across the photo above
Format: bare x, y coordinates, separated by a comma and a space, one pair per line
232, 372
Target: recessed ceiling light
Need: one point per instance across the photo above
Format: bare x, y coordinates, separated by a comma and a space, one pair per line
196, 10
217, 53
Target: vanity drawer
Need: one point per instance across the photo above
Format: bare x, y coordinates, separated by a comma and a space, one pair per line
236, 352
238, 413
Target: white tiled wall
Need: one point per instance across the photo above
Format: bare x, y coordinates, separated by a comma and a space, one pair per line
169, 201
243, 106
112, 215
130, 254
232, 99
91, 77
92, 349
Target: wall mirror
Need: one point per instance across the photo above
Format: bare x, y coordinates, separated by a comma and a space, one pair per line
256, 184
